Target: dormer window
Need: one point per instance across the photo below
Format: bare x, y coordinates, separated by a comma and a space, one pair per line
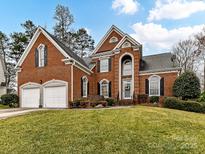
113, 39
126, 45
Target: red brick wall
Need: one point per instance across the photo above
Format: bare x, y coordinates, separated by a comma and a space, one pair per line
55, 69
109, 46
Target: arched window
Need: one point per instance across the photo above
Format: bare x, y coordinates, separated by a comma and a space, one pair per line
127, 67
154, 85
104, 88
126, 45
41, 55
85, 86
113, 39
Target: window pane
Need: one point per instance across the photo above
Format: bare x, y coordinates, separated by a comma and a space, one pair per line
127, 68
154, 86
104, 65
84, 87
104, 89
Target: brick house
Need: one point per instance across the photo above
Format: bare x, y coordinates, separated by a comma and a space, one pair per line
50, 75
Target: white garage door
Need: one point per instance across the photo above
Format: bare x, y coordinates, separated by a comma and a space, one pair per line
55, 97
30, 97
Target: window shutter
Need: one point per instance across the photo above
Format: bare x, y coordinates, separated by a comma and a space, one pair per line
36, 58
98, 65
81, 86
98, 88
45, 55
147, 86
110, 89
88, 92
162, 87
110, 64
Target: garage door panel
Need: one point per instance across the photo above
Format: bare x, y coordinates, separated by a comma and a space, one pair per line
55, 97
30, 97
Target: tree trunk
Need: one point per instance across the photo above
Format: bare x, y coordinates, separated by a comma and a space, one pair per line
204, 73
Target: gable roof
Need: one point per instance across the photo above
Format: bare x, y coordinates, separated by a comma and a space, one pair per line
58, 44
158, 62
112, 28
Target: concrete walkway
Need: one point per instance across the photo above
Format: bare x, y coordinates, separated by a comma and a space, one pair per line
6, 113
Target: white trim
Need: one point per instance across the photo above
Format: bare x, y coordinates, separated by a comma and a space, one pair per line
126, 44
86, 80
113, 28
120, 74
159, 78
40, 54
61, 83
127, 38
107, 81
153, 73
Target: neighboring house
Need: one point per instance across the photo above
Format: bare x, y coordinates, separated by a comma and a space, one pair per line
51, 75
3, 88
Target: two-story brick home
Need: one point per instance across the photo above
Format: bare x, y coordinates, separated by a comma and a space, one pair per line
50, 75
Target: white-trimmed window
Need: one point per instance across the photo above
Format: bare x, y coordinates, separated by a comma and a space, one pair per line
126, 44
85, 86
113, 39
104, 88
104, 65
127, 67
41, 55
154, 85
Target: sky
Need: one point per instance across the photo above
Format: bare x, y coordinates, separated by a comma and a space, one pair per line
156, 24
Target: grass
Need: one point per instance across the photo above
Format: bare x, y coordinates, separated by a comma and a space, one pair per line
131, 130
4, 106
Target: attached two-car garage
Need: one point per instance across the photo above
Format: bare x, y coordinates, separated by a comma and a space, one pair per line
52, 94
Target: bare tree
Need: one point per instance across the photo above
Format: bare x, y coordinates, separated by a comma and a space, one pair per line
200, 39
186, 54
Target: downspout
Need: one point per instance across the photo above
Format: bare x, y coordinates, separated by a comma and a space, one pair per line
72, 82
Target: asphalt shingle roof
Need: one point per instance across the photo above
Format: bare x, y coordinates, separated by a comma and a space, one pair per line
158, 62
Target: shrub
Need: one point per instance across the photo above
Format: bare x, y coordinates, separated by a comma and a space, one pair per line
10, 99
202, 97
187, 86
111, 101
154, 99
192, 106
142, 98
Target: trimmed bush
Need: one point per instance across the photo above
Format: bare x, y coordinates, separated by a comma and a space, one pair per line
142, 98
202, 97
111, 101
154, 99
126, 102
174, 103
187, 86
10, 99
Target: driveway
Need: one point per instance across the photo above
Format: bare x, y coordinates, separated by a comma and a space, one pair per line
6, 113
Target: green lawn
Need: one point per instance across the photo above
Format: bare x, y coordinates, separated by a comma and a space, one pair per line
4, 106
132, 130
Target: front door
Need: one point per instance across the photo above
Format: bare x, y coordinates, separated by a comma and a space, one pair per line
126, 89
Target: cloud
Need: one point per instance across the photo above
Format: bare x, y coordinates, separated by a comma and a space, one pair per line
155, 37
125, 6
175, 9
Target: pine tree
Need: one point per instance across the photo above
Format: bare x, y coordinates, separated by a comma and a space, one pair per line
83, 43
30, 29
64, 19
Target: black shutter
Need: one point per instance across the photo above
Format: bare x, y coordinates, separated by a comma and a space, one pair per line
98, 88
110, 89
36, 58
88, 92
45, 56
162, 87
81, 79
147, 86
110, 64
98, 65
